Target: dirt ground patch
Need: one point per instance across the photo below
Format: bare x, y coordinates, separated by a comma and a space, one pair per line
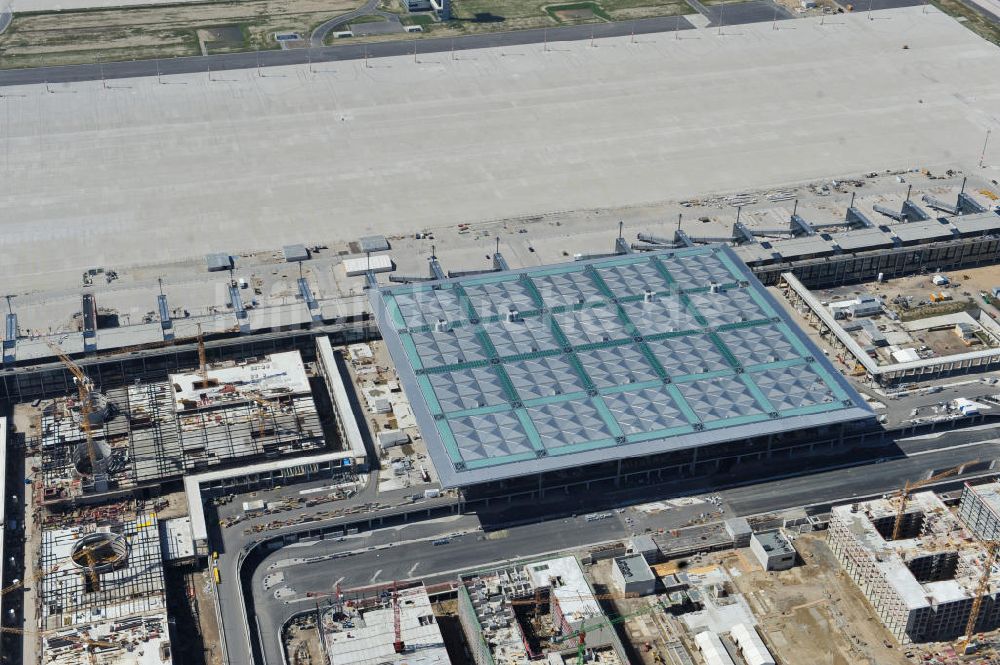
574, 14
302, 644
87, 36
814, 613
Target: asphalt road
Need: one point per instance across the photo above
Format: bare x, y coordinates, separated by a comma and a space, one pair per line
319, 34
413, 555
418, 559
250, 60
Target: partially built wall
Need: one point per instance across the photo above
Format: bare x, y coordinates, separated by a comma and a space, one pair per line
923, 584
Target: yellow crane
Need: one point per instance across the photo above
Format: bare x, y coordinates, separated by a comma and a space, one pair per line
92, 576
992, 548
84, 387
904, 494
262, 405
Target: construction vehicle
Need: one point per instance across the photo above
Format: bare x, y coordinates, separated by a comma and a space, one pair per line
989, 194
904, 493
992, 548
581, 634
84, 388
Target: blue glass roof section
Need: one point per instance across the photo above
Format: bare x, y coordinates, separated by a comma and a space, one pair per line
530, 370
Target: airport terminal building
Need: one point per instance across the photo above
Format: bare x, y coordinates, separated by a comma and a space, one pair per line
610, 372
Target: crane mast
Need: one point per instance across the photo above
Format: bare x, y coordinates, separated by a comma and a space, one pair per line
904, 494
84, 389
992, 548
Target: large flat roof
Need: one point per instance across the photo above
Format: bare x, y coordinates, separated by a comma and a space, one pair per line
531, 370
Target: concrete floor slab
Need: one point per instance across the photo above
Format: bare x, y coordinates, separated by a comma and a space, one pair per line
143, 172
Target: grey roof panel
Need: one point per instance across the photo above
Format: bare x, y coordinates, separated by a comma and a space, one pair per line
294, 253
219, 261
373, 244
930, 229
793, 248
984, 222
860, 240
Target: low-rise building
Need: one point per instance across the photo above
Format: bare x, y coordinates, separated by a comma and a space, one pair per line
739, 530
751, 647
631, 575
647, 547
773, 550
712, 649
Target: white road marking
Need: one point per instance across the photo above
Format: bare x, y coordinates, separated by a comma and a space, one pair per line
955, 447
375, 576
410, 572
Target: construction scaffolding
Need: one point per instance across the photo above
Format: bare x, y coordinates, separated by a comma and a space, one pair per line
923, 584
158, 431
399, 627
516, 615
104, 581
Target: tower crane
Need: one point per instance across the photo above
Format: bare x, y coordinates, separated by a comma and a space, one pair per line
263, 405
992, 550
202, 362
93, 578
397, 621
84, 387
904, 494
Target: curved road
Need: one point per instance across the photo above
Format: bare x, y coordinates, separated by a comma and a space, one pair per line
319, 34
402, 552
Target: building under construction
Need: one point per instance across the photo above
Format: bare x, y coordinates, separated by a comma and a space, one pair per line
396, 628
923, 583
520, 614
101, 596
144, 434
980, 510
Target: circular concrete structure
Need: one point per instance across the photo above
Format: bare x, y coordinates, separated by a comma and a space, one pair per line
81, 457
101, 552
